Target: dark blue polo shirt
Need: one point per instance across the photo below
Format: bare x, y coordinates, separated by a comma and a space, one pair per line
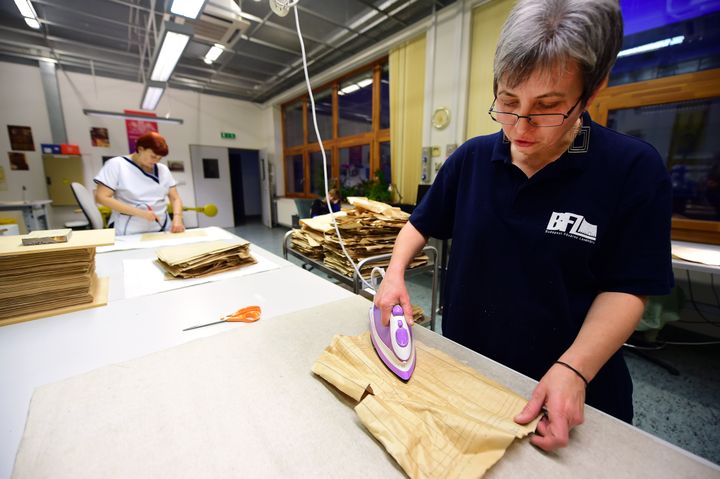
529, 255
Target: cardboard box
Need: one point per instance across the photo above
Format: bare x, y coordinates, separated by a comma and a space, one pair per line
49, 148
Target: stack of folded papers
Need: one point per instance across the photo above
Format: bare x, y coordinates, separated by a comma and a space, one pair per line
201, 259
368, 229
45, 279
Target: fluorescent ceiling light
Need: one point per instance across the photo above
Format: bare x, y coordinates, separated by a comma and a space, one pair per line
648, 47
174, 40
365, 82
32, 23
28, 13
26, 8
153, 92
187, 8
129, 116
349, 89
213, 54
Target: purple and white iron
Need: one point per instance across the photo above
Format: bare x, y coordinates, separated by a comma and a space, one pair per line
393, 343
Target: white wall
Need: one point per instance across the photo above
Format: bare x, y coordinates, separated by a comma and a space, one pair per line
22, 103
446, 79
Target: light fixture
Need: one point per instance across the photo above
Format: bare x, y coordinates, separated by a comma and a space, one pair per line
213, 54
130, 116
282, 7
153, 92
349, 89
648, 47
365, 82
187, 8
174, 37
28, 13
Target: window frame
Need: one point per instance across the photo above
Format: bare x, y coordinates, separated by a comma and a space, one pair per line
373, 138
690, 86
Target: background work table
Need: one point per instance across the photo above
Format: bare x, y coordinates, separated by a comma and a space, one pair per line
287, 422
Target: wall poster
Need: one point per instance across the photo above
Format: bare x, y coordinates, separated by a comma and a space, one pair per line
18, 161
21, 138
100, 137
137, 128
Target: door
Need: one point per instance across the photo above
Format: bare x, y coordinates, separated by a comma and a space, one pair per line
265, 192
211, 181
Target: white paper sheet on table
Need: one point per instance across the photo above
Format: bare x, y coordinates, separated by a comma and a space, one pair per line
703, 254
136, 242
144, 276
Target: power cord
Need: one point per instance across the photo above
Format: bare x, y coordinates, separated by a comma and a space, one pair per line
283, 5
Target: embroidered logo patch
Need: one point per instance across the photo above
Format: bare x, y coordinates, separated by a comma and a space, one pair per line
572, 225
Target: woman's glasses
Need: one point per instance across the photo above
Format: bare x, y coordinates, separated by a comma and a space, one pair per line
535, 119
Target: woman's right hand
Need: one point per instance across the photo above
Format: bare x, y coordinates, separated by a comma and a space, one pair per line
148, 215
392, 291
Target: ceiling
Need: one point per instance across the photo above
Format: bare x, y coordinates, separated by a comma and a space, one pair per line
116, 38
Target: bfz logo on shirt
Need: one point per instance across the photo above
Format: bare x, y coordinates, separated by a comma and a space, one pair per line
578, 226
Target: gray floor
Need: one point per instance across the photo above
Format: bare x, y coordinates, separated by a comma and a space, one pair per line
683, 409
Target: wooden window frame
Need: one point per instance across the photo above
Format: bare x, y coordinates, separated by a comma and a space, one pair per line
373, 138
690, 86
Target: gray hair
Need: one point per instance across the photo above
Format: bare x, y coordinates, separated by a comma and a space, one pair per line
541, 34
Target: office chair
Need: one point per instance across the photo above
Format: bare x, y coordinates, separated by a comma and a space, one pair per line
86, 200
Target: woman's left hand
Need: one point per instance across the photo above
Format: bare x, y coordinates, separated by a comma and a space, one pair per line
562, 393
177, 226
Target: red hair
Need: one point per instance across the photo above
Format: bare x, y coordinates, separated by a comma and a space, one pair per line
153, 141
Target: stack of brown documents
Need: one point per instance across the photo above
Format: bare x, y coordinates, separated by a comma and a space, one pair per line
367, 230
41, 280
201, 259
51, 280
309, 239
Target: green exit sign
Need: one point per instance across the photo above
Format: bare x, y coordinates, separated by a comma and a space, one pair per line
227, 135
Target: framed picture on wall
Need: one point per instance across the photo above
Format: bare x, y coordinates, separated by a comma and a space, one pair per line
18, 161
176, 165
21, 138
100, 137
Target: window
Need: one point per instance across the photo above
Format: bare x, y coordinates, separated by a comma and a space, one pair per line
354, 169
317, 180
355, 105
385, 165
353, 114
293, 124
682, 134
294, 174
323, 113
663, 40
679, 116
385, 96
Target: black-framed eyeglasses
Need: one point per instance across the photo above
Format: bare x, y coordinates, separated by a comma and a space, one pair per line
535, 119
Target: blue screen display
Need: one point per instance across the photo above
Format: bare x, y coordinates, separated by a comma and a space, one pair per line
641, 15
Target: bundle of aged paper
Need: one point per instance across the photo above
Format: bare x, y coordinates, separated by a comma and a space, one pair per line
201, 259
369, 229
53, 279
38, 280
446, 421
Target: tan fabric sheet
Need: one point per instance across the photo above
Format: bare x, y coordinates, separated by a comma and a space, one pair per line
447, 421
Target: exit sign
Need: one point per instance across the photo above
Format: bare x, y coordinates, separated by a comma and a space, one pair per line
227, 135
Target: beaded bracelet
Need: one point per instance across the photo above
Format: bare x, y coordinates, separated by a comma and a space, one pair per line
575, 371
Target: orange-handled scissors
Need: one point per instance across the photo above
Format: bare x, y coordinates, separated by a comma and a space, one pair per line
242, 315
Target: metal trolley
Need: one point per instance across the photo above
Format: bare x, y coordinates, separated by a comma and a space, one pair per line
355, 281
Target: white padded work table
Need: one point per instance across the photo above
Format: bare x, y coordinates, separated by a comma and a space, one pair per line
294, 424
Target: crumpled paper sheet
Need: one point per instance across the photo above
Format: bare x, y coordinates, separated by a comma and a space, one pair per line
447, 421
